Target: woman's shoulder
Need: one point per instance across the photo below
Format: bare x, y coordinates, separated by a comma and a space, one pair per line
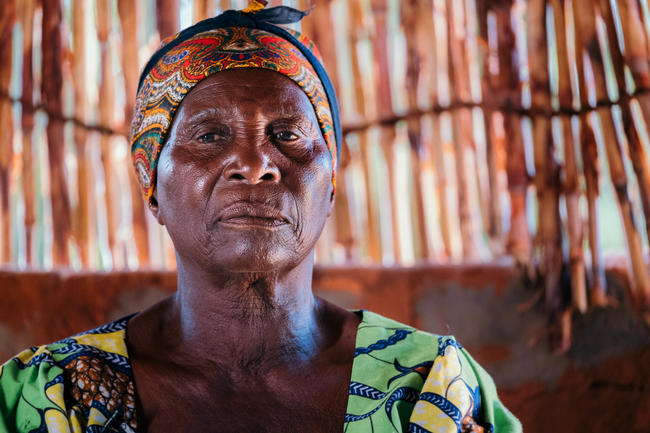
81, 379
423, 381
377, 332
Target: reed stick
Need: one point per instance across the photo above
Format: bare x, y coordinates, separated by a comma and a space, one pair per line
589, 150
380, 53
363, 96
129, 13
437, 154
462, 118
565, 95
493, 205
81, 226
618, 63
586, 38
318, 27
415, 34
636, 44
417, 22
457, 34
462, 145
417, 163
27, 9
202, 9
354, 36
51, 88
640, 161
615, 155
7, 19
373, 234
538, 57
549, 235
106, 110
345, 235
519, 243
505, 84
167, 17
572, 194
387, 141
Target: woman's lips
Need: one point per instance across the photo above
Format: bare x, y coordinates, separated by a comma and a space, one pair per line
250, 214
247, 220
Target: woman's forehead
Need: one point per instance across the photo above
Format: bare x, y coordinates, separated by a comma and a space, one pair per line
236, 90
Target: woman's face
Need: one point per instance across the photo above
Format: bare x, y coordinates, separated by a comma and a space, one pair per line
244, 180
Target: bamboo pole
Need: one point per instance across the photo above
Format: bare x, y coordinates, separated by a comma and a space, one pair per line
364, 95
106, 110
574, 219
387, 141
82, 220
224, 4
493, 220
416, 15
506, 93
591, 172
605, 9
129, 13
459, 71
549, 235
345, 235
167, 17
416, 55
506, 85
417, 163
636, 45
538, 57
640, 162
615, 154
354, 36
52, 87
586, 38
373, 230
318, 27
519, 241
565, 95
462, 145
571, 184
430, 183
547, 170
429, 43
380, 53
442, 182
202, 9
463, 140
7, 19
27, 124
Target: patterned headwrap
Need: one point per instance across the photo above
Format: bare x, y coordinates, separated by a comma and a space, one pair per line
234, 39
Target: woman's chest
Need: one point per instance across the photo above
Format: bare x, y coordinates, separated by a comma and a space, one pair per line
309, 403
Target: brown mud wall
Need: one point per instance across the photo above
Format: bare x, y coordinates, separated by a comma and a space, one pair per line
601, 385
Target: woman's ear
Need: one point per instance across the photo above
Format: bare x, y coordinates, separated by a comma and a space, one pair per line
331, 206
155, 210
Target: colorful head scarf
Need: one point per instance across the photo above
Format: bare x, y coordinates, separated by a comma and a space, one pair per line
234, 39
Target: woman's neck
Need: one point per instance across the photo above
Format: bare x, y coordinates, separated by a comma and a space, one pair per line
256, 321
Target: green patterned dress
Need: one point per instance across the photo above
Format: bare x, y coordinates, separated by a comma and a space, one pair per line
403, 380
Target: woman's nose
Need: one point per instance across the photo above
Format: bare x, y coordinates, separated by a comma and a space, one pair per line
251, 165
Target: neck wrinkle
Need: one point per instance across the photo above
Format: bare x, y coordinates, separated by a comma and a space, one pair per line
254, 321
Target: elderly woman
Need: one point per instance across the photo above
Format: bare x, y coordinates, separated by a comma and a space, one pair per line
235, 142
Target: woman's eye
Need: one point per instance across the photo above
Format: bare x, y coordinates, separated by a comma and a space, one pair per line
209, 138
285, 136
